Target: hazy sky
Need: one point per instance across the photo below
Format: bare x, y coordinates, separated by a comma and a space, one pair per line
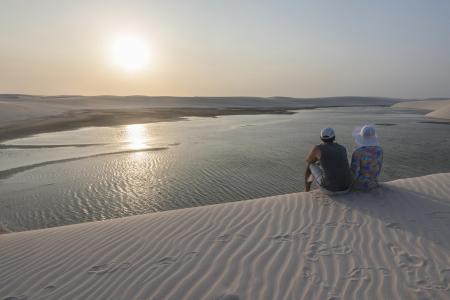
231, 48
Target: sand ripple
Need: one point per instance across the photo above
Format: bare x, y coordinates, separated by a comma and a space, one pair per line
392, 243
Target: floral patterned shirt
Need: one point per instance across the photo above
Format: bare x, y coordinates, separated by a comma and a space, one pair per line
366, 167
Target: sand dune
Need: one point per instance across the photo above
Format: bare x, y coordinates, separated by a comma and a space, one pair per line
441, 113
439, 109
392, 243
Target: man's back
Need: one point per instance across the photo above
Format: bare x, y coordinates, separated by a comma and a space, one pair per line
334, 162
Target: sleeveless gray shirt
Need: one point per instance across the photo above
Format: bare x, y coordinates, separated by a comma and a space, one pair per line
334, 162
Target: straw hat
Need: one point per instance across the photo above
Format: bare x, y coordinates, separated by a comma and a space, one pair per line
366, 136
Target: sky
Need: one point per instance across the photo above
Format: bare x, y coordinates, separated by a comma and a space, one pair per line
395, 48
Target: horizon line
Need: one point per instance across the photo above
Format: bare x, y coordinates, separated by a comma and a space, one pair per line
217, 96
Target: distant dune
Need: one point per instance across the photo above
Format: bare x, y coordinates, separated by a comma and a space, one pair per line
391, 243
18, 107
439, 109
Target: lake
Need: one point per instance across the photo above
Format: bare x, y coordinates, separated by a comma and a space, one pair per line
99, 173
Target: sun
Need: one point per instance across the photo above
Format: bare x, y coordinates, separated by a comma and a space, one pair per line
130, 52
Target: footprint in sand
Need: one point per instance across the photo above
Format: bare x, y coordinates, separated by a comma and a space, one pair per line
99, 269
357, 274
350, 225
406, 260
331, 225
190, 255
169, 260
227, 297
109, 267
424, 284
427, 284
166, 261
384, 271
308, 274
282, 237
289, 236
317, 249
333, 294
341, 249
305, 235
362, 273
224, 238
393, 225
50, 288
344, 224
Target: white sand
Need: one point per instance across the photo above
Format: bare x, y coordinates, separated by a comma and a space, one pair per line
392, 243
439, 109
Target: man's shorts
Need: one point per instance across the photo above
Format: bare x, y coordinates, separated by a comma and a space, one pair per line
317, 176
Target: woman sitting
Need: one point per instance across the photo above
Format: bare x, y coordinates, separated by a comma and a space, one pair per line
367, 159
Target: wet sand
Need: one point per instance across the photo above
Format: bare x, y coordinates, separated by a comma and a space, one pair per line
24, 115
113, 117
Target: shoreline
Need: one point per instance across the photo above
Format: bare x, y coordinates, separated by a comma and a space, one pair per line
115, 117
24, 115
76, 119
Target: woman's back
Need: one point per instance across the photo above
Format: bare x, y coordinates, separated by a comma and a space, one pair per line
366, 167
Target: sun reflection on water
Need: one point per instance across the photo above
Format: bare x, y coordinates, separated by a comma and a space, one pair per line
137, 136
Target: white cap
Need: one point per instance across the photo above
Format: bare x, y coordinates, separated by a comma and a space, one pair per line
366, 136
327, 133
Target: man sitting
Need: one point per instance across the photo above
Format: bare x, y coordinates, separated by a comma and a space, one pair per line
327, 164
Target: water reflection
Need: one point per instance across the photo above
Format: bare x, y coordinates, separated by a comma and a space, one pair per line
213, 164
137, 136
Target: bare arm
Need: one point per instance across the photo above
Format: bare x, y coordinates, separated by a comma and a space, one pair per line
313, 156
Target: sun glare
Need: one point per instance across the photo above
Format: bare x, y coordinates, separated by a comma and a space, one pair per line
130, 53
137, 136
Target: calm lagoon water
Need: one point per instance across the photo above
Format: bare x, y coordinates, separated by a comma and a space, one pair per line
50, 179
